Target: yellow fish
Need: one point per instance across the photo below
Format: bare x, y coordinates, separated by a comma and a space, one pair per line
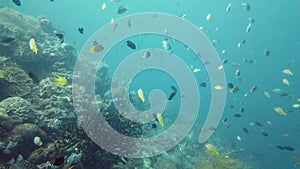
280, 111
141, 95
212, 149
96, 47
61, 81
160, 119
32, 45
103, 6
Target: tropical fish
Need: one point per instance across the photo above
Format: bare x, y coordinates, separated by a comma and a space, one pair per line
174, 89
296, 105
265, 134
287, 72
141, 95
171, 96
246, 6
130, 44
154, 126
17, 2
234, 89
228, 7
80, 30
103, 6
230, 85
96, 47
267, 94
258, 124
270, 123
202, 84
280, 111
146, 54
237, 115
61, 81
32, 45
122, 9
251, 20
253, 89
286, 82
248, 28
37, 141
208, 17
166, 45
266, 52
196, 70
160, 119
212, 149
246, 130
218, 87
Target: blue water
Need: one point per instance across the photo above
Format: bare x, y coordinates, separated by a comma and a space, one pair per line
276, 28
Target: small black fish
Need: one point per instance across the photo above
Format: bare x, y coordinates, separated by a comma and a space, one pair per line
232, 106
122, 9
237, 115
203, 84
171, 96
258, 124
242, 109
289, 148
61, 37
265, 134
130, 44
17, 2
154, 126
8, 40
225, 120
246, 130
34, 78
280, 147
230, 85
174, 89
81, 30
52, 0
266, 52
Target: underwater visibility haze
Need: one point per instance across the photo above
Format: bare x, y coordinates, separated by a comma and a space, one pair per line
109, 84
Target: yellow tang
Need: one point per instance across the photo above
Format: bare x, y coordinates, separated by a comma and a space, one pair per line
141, 95
212, 149
61, 81
160, 119
32, 45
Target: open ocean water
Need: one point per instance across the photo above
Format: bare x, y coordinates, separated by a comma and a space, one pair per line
258, 43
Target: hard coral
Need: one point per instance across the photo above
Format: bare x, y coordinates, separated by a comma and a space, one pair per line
14, 82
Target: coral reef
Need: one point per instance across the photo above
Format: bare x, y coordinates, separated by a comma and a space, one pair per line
14, 82
29, 109
17, 29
